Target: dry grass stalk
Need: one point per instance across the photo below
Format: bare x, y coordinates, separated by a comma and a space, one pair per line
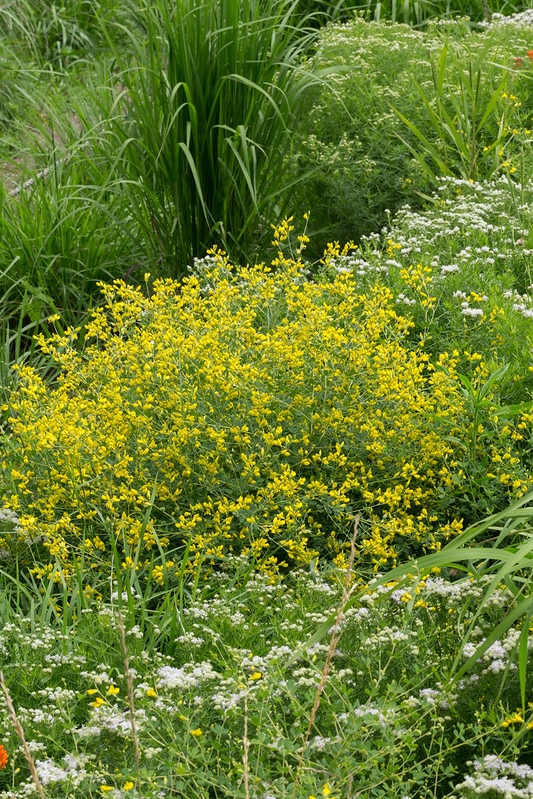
20, 732
334, 640
129, 690
246, 748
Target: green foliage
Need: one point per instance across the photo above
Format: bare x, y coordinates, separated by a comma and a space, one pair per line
58, 33
470, 130
419, 13
223, 700
505, 565
58, 237
473, 302
210, 98
412, 105
460, 271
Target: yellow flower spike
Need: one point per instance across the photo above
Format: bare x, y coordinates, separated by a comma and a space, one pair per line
113, 690
197, 732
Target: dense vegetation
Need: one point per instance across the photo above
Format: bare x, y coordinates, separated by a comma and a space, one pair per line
266, 412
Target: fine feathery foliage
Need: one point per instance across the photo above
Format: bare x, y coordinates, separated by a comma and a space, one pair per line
413, 105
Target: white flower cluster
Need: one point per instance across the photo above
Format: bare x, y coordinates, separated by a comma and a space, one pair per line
10, 517
497, 655
522, 18
73, 770
496, 777
522, 303
383, 716
190, 676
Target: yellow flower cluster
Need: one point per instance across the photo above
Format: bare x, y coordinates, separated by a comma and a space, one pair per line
245, 411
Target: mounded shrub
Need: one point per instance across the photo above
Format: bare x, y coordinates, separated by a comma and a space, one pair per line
249, 410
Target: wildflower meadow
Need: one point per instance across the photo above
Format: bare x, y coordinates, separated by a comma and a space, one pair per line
266, 400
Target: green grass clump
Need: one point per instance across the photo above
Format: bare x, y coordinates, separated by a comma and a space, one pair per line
57, 35
211, 93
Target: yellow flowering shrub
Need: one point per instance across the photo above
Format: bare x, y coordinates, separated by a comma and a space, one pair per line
245, 411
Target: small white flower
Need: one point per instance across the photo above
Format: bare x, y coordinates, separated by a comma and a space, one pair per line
472, 312
48, 772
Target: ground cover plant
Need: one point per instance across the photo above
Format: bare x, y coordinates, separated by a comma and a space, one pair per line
265, 529
224, 712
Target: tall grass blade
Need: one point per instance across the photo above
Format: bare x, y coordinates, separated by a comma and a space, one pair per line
205, 122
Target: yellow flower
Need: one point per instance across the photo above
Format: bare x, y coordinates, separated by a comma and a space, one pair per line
106, 788
113, 690
256, 675
197, 732
516, 718
98, 702
128, 786
151, 692
183, 420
